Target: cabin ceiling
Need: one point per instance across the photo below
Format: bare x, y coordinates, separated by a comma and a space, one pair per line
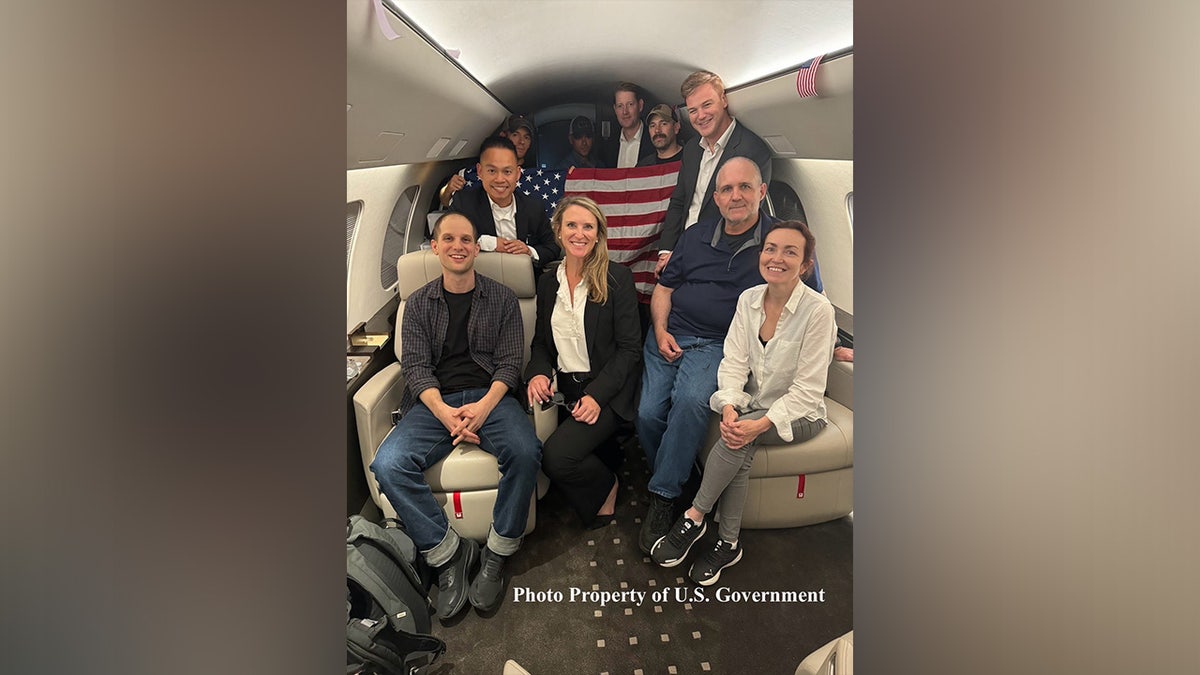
410, 101
581, 47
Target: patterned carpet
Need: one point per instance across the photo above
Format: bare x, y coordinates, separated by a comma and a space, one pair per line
587, 633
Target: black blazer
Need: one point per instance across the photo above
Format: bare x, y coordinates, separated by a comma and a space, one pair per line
742, 143
533, 227
611, 147
614, 340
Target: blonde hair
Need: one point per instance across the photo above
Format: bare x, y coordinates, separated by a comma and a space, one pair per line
698, 78
595, 265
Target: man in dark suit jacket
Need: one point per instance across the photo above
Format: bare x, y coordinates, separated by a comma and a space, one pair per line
720, 138
627, 104
507, 220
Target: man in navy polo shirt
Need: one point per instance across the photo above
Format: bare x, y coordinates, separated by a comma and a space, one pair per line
691, 309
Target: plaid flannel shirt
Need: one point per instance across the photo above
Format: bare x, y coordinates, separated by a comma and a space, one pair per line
495, 335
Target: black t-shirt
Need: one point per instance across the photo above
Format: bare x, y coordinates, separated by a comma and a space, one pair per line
653, 159
735, 242
456, 370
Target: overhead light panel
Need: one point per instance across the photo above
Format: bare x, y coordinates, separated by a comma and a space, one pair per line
437, 148
780, 145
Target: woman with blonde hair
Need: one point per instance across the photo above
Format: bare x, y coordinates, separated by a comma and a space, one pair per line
587, 337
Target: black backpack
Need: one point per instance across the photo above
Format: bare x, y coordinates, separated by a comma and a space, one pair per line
387, 602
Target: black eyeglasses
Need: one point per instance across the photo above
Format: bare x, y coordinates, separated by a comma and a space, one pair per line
556, 399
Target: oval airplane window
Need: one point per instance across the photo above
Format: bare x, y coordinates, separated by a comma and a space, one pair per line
393, 240
850, 209
353, 211
785, 202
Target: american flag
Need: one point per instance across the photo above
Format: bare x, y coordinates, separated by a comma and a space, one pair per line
634, 202
806, 79
545, 184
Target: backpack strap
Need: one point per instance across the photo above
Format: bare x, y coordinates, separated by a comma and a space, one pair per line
394, 541
377, 643
361, 572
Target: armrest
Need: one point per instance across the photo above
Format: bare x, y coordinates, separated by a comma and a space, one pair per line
840, 383
544, 422
373, 406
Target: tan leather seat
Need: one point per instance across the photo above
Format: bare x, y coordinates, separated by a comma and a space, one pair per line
835, 657
804, 483
465, 482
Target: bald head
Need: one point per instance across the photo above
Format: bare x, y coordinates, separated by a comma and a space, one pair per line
739, 164
738, 194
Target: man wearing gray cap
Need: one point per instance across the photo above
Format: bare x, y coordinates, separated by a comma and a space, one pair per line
664, 135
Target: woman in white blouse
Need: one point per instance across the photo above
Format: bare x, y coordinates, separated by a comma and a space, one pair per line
770, 390
588, 334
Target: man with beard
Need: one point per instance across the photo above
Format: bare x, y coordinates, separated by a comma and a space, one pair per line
664, 136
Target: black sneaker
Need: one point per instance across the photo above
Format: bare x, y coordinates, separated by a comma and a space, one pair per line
708, 568
671, 549
453, 577
488, 588
656, 523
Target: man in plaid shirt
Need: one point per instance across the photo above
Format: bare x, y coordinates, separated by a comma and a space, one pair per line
462, 342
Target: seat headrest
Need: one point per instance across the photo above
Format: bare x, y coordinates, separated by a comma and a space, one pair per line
414, 270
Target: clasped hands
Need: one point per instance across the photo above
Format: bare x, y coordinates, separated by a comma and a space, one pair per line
464, 422
737, 433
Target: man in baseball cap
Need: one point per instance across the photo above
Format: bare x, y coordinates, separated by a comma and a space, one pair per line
516, 128
519, 130
581, 136
664, 135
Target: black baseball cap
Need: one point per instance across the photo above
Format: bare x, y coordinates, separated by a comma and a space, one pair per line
515, 122
582, 126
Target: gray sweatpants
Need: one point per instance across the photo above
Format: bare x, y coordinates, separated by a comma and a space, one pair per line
727, 472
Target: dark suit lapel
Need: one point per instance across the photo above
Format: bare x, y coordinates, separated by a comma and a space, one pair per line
522, 226
487, 209
547, 310
591, 325
483, 213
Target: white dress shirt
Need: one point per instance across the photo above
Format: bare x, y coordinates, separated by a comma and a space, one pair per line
566, 325
627, 156
709, 158
787, 376
506, 226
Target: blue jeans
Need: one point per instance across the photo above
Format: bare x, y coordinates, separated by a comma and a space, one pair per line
419, 441
672, 418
